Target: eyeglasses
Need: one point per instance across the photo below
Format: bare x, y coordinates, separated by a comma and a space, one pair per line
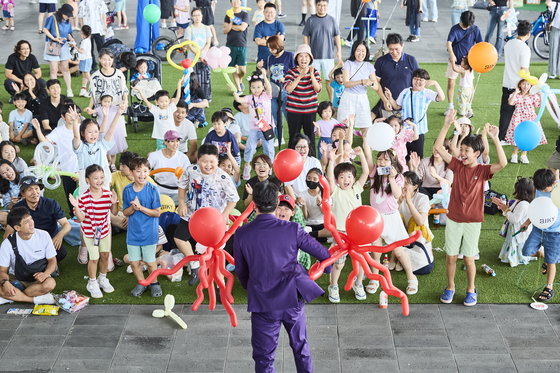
302, 147
419, 80
259, 164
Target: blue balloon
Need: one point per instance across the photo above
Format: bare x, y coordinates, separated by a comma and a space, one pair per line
527, 135
139, 50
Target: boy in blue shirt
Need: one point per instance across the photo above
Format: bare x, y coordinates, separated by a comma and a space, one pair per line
337, 85
19, 120
141, 204
222, 136
548, 238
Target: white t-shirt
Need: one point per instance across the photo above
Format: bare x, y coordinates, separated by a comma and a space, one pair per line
158, 160
556, 21
517, 55
422, 204
64, 139
4, 131
314, 213
299, 184
86, 46
39, 246
198, 35
163, 120
187, 132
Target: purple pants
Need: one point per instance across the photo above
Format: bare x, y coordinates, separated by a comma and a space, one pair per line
265, 328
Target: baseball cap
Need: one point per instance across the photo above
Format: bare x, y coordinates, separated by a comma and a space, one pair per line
289, 200
172, 135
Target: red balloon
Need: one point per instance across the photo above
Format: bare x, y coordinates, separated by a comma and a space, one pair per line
288, 165
207, 226
186, 63
364, 225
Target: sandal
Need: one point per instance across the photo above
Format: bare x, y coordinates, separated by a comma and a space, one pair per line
156, 290
372, 287
412, 287
5, 28
392, 266
40, 31
447, 296
138, 290
471, 299
398, 267
546, 294
544, 269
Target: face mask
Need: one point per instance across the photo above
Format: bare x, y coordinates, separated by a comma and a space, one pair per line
227, 124
312, 184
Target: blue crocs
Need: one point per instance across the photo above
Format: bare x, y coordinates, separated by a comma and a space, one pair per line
470, 300
447, 296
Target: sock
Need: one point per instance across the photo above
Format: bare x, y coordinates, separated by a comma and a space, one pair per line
102, 275
195, 265
451, 105
92, 280
155, 283
84, 88
303, 15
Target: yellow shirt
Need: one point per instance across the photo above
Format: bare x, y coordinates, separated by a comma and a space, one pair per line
344, 201
118, 182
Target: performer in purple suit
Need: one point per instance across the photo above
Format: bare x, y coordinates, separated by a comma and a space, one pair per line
265, 252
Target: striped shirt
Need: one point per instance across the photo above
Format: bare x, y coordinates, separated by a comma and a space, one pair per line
96, 212
303, 99
420, 100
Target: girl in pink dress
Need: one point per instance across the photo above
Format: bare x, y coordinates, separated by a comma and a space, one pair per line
525, 104
402, 137
120, 142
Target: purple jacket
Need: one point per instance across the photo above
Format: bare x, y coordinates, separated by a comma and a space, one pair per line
265, 253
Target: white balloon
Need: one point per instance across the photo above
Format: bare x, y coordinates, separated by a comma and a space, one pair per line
216, 53
542, 212
380, 136
537, 88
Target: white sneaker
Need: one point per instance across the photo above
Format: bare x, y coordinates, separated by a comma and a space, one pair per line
433, 20
44, 299
424, 19
283, 141
513, 158
504, 143
275, 143
129, 269
83, 93
359, 290
93, 288
524, 159
447, 111
552, 77
164, 25
5, 301
69, 93
334, 297
105, 285
172, 24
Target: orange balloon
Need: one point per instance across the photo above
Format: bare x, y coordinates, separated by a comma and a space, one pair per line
207, 226
366, 1
483, 57
364, 225
288, 165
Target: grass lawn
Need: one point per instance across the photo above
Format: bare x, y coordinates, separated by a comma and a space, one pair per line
504, 288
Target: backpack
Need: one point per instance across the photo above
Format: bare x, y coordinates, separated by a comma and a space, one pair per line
489, 206
421, 261
23, 271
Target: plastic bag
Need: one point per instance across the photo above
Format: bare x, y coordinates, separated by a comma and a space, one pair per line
45, 310
71, 301
168, 261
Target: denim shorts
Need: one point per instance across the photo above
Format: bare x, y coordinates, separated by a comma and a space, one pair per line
549, 240
7, 14
183, 25
85, 65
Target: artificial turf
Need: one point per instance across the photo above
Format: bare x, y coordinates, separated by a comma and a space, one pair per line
500, 289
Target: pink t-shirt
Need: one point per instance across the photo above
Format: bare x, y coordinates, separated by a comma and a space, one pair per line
263, 105
383, 202
399, 146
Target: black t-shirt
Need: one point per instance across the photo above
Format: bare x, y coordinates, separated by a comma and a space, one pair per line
50, 112
500, 2
237, 38
46, 215
19, 67
199, 93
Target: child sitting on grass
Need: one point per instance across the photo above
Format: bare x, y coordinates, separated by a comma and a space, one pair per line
549, 238
142, 204
466, 205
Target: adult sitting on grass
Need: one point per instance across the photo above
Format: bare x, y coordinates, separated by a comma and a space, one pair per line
19, 63
45, 212
25, 274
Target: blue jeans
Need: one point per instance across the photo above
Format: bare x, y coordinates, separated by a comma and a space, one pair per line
274, 110
493, 21
251, 146
456, 15
413, 29
433, 9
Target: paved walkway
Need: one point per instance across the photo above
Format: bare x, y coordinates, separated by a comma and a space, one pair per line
343, 338
431, 47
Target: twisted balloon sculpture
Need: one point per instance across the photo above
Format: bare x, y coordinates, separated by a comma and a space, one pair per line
48, 166
548, 95
218, 59
186, 67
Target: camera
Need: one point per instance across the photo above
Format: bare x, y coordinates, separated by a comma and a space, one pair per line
383, 170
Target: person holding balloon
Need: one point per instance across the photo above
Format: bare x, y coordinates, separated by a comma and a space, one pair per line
202, 36
466, 204
525, 104
546, 229
302, 144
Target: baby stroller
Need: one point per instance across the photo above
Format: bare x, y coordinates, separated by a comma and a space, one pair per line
136, 108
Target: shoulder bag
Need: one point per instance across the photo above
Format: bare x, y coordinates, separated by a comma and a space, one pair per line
54, 48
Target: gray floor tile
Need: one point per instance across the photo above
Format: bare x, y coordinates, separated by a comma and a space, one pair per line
528, 366
433, 359
485, 363
183, 364
29, 365
115, 320
367, 365
82, 365
387, 353
420, 338
471, 342
360, 340
151, 369
140, 360
81, 353
106, 309
145, 345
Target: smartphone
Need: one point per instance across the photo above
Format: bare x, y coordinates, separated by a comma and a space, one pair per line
383, 170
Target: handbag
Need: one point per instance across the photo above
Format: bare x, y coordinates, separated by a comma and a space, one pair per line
266, 129
421, 261
54, 48
489, 206
22, 270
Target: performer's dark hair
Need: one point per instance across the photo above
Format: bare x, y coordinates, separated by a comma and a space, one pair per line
265, 196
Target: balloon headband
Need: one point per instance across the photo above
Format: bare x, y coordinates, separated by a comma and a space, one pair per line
252, 78
341, 125
107, 93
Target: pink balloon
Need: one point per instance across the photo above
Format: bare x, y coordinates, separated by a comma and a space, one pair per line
212, 62
224, 61
225, 50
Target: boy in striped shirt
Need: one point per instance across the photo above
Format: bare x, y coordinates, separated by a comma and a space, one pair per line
414, 103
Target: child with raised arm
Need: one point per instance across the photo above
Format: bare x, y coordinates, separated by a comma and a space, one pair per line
346, 195
162, 112
466, 205
142, 204
337, 84
92, 210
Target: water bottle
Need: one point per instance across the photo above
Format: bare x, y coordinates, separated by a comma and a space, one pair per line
505, 200
383, 300
436, 221
489, 271
386, 261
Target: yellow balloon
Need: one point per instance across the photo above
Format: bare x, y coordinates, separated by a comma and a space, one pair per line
179, 46
555, 196
533, 80
167, 203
